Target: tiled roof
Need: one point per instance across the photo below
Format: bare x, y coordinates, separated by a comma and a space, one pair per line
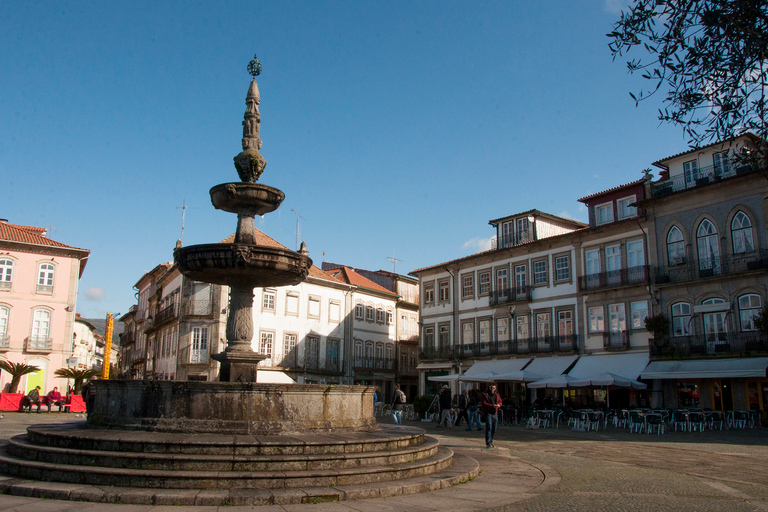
18, 234
619, 187
755, 138
349, 276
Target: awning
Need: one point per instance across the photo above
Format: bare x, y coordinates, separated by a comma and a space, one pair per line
740, 367
550, 366
273, 377
628, 366
485, 371
434, 366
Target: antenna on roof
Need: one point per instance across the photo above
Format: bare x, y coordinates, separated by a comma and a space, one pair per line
394, 262
298, 230
50, 231
184, 209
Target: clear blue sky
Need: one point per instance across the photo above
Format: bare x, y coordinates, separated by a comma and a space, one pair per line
394, 128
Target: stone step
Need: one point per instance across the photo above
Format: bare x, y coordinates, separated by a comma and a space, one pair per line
95, 475
462, 470
78, 435
21, 448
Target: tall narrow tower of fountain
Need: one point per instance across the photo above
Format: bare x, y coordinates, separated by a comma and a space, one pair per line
244, 265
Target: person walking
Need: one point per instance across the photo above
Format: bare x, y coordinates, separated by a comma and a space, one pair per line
445, 407
463, 404
474, 417
398, 404
490, 408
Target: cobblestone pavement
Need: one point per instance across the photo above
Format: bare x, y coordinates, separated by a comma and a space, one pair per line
546, 469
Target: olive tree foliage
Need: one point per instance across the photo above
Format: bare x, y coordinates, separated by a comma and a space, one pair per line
709, 56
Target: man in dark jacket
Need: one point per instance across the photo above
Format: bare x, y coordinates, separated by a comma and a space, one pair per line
445, 407
463, 405
490, 409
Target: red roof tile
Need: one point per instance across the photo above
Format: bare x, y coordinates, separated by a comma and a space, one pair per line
18, 234
349, 276
613, 189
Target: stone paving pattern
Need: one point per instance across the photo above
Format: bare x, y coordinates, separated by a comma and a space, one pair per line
538, 470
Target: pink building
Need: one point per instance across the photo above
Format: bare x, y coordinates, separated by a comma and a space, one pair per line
38, 295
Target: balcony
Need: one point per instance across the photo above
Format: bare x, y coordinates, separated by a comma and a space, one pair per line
699, 178
374, 363
545, 345
615, 278
197, 357
712, 267
330, 365
723, 344
164, 316
137, 356
39, 344
510, 295
127, 338
616, 340
432, 352
198, 308
5, 341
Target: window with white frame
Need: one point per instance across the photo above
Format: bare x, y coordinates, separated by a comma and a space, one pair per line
484, 330
565, 323
708, 247
313, 310
741, 233
468, 333
41, 326
429, 336
359, 311
749, 309
484, 279
521, 276
444, 334
358, 353
289, 350
391, 317
267, 343
522, 328
332, 355
502, 280
543, 326
635, 254
334, 311
722, 163
596, 319
675, 246
199, 353
292, 304
380, 315
45, 274
691, 172
268, 300
592, 258
312, 352
429, 293
639, 313
5, 315
626, 208
613, 257
618, 318
562, 268
6, 274
603, 213
540, 272
467, 286
502, 329
444, 291
681, 319
369, 314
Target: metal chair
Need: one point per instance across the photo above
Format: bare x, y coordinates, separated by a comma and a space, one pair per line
654, 421
680, 419
696, 421
636, 422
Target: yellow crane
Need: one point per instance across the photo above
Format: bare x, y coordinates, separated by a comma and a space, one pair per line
107, 346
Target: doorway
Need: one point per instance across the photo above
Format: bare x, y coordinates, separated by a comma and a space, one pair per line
722, 396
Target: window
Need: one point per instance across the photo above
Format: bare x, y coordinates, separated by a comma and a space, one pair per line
741, 233
369, 314
467, 286
749, 308
314, 307
635, 254
429, 336
618, 318
714, 325
523, 333
41, 325
358, 353
593, 261
562, 268
675, 246
613, 258
267, 342
332, 356
722, 163
291, 304
709, 250
334, 311
468, 333
521, 278
311, 352
5, 314
445, 335
507, 233
429, 293
391, 318
6, 274
691, 172
268, 300
289, 350
596, 319
199, 345
380, 315
603, 213
540, 272
359, 311
45, 274
502, 280
484, 328
625, 209
681, 319
502, 329
485, 282
444, 291
565, 323
543, 326
522, 233
639, 313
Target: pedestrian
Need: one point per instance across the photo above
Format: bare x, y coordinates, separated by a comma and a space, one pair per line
33, 398
54, 398
445, 407
398, 404
474, 417
463, 404
490, 409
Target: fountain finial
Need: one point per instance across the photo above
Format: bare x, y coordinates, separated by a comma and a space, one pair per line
250, 164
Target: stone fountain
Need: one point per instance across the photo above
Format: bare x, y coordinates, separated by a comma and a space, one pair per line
234, 441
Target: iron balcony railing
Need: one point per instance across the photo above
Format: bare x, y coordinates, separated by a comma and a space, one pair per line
198, 307
616, 340
699, 178
511, 240
543, 345
137, 355
716, 345
375, 363
714, 266
165, 315
127, 338
615, 278
330, 365
510, 295
40, 343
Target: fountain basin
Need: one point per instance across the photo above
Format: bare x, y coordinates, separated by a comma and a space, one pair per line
256, 198
242, 265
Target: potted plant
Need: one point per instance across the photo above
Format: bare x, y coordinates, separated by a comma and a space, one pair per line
658, 325
78, 376
16, 371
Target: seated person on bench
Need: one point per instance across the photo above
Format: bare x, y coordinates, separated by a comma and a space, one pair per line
54, 398
33, 398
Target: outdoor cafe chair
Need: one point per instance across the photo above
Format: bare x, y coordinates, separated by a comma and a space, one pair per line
636, 423
680, 419
621, 418
593, 420
696, 421
654, 421
714, 419
740, 419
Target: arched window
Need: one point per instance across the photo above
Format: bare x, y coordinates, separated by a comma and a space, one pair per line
741, 233
6, 274
41, 328
681, 319
45, 273
675, 246
709, 251
749, 308
5, 314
